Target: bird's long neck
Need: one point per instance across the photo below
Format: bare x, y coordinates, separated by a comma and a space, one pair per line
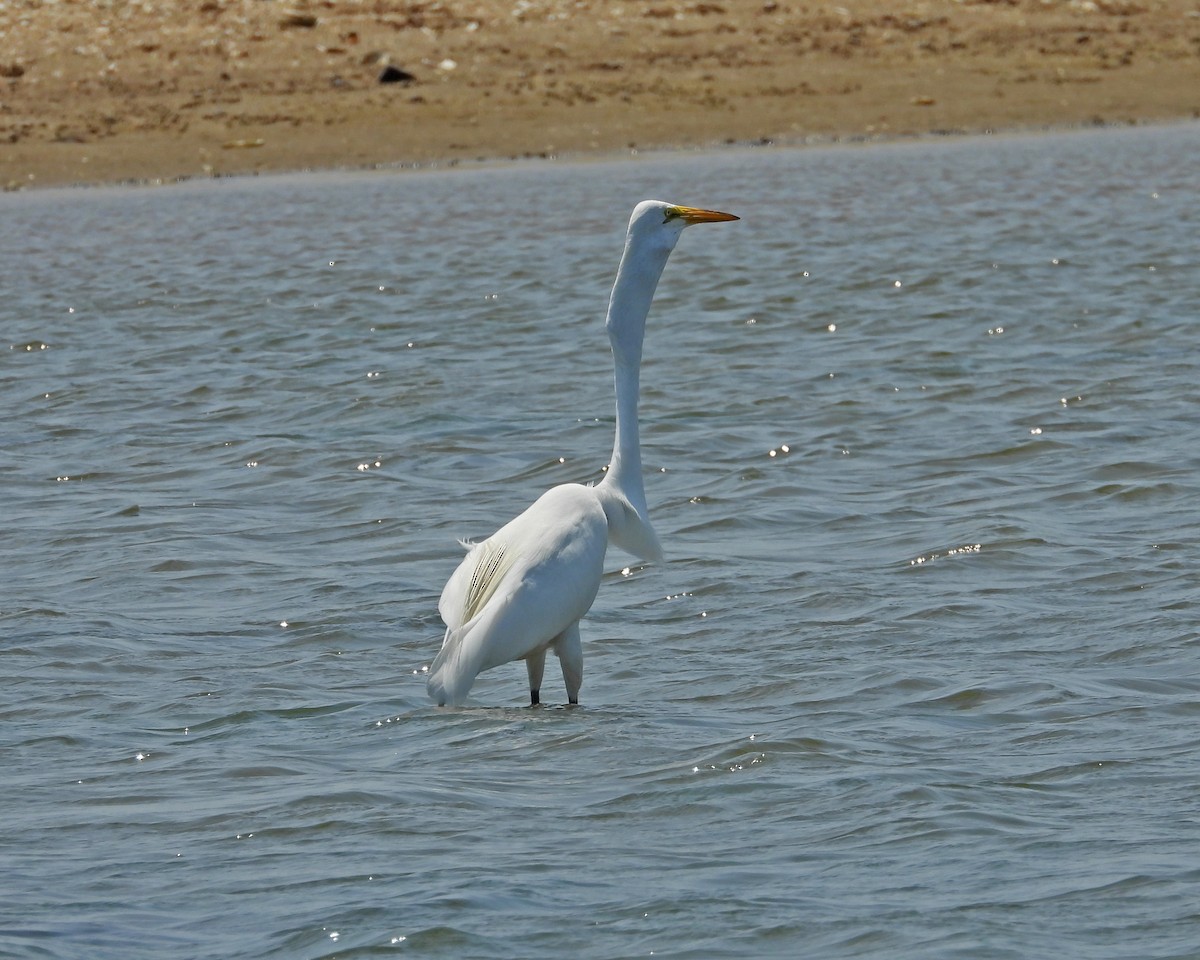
637, 278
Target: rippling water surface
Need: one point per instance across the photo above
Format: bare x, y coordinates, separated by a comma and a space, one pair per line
919, 678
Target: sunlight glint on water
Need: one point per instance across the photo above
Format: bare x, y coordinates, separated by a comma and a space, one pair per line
918, 678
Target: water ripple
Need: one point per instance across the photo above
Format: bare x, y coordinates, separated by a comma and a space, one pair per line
915, 680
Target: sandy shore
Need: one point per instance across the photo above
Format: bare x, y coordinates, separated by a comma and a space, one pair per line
95, 91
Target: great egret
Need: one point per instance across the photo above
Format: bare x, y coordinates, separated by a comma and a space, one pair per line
523, 590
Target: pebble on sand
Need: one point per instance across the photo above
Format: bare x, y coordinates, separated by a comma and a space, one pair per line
392, 74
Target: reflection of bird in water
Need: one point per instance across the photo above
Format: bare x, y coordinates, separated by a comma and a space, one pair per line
523, 590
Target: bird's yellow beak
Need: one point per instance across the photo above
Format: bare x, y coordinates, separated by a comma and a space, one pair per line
690, 215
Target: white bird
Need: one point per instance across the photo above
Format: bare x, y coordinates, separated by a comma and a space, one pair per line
524, 589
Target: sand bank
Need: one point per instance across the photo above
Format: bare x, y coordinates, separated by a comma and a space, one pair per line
97, 91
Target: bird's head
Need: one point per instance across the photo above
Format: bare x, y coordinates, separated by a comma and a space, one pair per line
655, 223
654, 228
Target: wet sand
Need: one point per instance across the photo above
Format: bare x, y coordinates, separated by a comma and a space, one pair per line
101, 91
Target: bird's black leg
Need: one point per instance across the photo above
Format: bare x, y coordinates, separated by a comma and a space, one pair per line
570, 656
535, 663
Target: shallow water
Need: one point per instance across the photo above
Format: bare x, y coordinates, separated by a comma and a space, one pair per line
919, 677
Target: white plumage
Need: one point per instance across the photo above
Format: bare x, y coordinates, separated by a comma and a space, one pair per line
523, 591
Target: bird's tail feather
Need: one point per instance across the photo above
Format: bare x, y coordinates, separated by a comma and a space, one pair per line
451, 674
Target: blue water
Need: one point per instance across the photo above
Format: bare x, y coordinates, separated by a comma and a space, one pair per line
919, 678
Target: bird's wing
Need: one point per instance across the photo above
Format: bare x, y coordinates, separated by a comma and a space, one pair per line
475, 580
520, 588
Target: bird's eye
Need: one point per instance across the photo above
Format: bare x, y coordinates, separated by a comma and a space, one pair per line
671, 213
